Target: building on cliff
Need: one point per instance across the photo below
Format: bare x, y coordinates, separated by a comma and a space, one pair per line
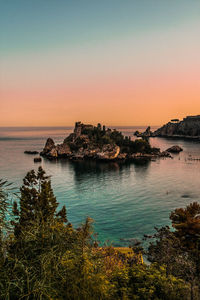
192, 118
80, 127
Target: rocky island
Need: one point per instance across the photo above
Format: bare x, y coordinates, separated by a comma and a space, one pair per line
100, 143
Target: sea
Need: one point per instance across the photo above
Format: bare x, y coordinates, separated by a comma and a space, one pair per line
125, 201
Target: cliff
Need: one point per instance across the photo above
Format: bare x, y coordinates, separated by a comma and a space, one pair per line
189, 127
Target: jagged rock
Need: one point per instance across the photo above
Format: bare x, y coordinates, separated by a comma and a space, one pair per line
82, 140
63, 150
174, 149
53, 153
91, 153
69, 139
48, 146
146, 133
109, 152
165, 154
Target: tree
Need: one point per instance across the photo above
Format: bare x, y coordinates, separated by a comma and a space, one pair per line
47, 258
186, 222
37, 202
5, 209
168, 250
5, 191
152, 282
179, 250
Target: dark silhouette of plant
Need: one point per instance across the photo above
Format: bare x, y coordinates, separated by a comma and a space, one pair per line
45, 257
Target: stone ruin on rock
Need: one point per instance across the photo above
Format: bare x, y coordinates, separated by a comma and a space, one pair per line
99, 143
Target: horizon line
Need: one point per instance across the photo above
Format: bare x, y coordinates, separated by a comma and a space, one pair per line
61, 126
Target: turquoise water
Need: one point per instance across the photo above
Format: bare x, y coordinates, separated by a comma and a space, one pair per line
125, 201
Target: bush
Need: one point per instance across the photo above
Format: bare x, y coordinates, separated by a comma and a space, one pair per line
44, 257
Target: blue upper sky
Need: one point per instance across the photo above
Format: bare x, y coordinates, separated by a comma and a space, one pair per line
39, 24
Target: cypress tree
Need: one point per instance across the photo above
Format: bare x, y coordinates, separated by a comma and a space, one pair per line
37, 202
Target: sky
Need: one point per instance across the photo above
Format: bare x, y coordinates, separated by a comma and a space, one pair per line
117, 62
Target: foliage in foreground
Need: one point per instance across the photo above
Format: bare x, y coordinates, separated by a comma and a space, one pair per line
44, 257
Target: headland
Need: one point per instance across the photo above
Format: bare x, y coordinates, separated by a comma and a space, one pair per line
188, 128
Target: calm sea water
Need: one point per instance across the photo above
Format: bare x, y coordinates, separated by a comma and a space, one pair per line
125, 201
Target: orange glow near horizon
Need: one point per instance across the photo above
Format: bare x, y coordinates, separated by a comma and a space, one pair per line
151, 99
123, 82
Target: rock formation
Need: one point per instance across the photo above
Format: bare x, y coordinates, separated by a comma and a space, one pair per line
174, 149
146, 133
108, 152
31, 152
189, 127
48, 146
99, 143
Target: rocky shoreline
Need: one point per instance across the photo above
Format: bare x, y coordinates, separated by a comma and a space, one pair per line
89, 142
188, 128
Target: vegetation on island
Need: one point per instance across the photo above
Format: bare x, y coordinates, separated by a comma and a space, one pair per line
98, 143
100, 136
42, 256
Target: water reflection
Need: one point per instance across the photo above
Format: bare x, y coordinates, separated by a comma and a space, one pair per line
95, 167
86, 171
98, 171
141, 170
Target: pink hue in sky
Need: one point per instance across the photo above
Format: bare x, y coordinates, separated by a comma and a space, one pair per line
140, 80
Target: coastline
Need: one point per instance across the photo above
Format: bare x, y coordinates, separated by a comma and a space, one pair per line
182, 137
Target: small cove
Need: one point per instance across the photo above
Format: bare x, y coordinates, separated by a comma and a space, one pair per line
126, 201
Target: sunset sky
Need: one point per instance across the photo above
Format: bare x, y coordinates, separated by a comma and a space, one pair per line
118, 62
